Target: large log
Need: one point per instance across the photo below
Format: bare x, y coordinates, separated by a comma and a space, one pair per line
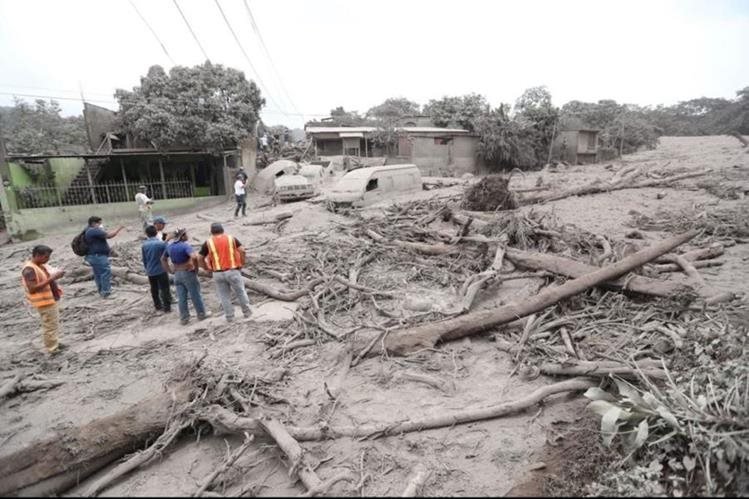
598, 187
404, 341
572, 268
53, 465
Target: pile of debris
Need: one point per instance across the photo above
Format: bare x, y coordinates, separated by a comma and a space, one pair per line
297, 152
593, 314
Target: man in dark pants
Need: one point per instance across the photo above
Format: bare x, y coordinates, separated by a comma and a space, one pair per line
240, 195
151, 252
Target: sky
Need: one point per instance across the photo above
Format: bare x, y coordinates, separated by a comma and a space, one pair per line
327, 53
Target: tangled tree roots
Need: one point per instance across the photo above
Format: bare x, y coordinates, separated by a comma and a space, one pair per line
492, 193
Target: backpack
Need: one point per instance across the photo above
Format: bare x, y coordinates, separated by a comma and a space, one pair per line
79, 245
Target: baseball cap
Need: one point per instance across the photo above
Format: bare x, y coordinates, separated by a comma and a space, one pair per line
159, 220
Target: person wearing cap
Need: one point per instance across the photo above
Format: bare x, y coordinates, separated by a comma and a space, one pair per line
160, 224
97, 254
240, 195
224, 255
185, 270
144, 206
43, 292
151, 251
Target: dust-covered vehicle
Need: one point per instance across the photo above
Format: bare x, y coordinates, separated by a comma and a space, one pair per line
292, 188
364, 186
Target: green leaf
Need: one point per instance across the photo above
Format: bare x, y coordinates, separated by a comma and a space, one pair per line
596, 393
689, 463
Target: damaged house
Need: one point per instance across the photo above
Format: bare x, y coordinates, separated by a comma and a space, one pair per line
435, 150
42, 192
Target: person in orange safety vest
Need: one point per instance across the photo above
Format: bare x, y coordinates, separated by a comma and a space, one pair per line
224, 256
42, 291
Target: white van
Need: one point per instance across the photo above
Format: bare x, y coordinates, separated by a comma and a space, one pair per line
365, 186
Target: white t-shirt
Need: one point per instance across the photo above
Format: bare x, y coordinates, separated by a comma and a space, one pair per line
239, 187
142, 201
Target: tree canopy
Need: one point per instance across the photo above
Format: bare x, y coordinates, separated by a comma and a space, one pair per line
40, 129
461, 110
393, 109
207, 106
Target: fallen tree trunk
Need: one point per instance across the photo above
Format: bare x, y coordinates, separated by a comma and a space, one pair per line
276, 294
601, 368
426, 249
299, 462
699, 264
53, 465
228, 422
598, 187
572, 268
408, 340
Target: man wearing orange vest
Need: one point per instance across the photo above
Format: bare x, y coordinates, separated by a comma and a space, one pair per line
43, 293
223, 255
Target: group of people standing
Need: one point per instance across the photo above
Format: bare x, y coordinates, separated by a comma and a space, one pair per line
163, 254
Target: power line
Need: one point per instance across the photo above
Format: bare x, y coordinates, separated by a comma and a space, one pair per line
152, 31
191, 31
47, 89
241, 48
77, 99
256, 29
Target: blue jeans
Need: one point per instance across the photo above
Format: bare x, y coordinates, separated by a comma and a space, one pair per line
102, 273
186, 282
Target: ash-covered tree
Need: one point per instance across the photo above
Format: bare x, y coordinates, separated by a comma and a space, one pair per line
462, 110
341, 117
40, 129
535, 112
208, 106
504, 142
393, 109
386, 117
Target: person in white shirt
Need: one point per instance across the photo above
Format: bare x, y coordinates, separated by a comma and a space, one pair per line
144, 206
241, 196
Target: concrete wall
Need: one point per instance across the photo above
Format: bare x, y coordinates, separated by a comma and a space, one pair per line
32, 223
569, 154
19, 177
66, 169
454, 158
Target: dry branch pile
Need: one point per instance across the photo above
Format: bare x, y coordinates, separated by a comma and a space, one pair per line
425, 272
491, 193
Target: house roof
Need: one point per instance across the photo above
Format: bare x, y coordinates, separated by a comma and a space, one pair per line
344, 131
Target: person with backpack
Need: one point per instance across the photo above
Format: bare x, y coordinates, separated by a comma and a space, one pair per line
97, 254
151, 252
42, 291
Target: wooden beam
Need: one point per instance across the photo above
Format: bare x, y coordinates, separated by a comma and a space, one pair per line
163, 181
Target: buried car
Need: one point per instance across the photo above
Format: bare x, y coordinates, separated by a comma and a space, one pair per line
365, 186
292, 188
